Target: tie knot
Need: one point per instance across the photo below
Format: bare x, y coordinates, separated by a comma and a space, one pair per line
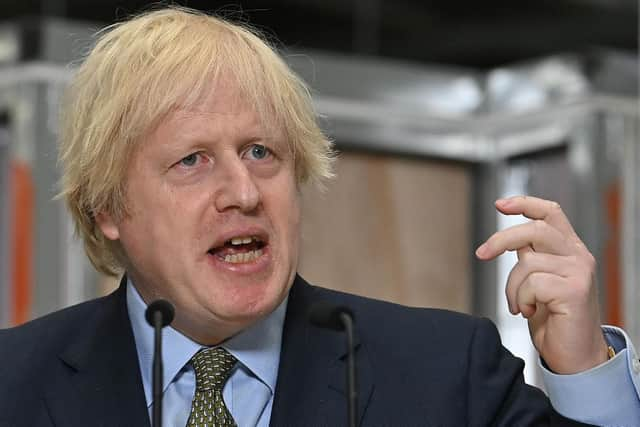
213, 367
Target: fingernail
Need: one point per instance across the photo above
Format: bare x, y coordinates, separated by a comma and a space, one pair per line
481, 250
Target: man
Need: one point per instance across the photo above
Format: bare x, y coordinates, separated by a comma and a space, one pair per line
185, 143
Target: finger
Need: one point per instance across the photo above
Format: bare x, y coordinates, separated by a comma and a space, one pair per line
539, 288
545, 262
523, 252
538, 234
537, 320
537, 209
515, 279
528, 263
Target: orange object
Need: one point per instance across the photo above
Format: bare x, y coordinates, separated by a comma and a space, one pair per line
612, 257
22, 193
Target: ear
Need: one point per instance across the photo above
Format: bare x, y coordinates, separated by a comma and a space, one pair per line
108, 226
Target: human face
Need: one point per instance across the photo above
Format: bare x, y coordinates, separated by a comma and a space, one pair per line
213, 217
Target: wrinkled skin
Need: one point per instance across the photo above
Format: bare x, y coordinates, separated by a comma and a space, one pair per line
552, 285
203, 176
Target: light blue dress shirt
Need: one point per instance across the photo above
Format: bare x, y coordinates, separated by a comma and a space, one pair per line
249, 391
607, 395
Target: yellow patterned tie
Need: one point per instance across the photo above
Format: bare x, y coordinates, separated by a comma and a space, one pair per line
213, 367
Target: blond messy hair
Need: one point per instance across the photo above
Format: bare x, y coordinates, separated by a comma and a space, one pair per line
143, 69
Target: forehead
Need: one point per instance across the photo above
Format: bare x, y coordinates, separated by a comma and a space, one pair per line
223, 96
221, 109
220, 106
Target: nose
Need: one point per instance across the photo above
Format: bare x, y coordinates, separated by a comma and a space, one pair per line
236, 186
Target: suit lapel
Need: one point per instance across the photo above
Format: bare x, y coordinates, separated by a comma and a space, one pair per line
99, 377
311, 377
99, 372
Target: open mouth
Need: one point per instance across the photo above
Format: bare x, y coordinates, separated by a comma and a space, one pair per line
241, 249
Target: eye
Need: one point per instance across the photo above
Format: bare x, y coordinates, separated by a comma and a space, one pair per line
258, 152
192, 160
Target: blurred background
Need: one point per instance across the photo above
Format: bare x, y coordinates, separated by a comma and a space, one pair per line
437, 107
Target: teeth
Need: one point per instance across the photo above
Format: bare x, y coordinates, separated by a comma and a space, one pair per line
243, 257
241, 240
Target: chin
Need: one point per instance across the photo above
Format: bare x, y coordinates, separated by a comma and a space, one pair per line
250, 303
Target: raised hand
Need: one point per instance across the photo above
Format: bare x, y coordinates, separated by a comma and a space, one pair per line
552, 285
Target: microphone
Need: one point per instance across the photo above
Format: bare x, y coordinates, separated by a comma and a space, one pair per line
340, 318
158, 314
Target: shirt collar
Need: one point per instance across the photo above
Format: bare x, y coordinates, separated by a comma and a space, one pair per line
257, 347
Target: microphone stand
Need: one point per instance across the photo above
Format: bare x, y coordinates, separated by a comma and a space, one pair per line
158, 314
157, 370
352, 396
340, 318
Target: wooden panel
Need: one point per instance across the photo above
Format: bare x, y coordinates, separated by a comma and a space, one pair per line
391, 228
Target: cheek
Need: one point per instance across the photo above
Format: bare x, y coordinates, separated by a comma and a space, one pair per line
159, 223
287, 215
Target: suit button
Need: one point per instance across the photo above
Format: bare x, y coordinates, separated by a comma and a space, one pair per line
636, 366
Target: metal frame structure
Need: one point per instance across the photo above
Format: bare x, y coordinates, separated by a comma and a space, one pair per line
31, 93
5, 295
631, 227
512, 113
480, 119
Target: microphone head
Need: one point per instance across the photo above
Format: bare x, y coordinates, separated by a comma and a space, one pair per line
164, 307
326, 315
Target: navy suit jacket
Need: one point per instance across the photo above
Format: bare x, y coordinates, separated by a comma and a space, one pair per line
416, 367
